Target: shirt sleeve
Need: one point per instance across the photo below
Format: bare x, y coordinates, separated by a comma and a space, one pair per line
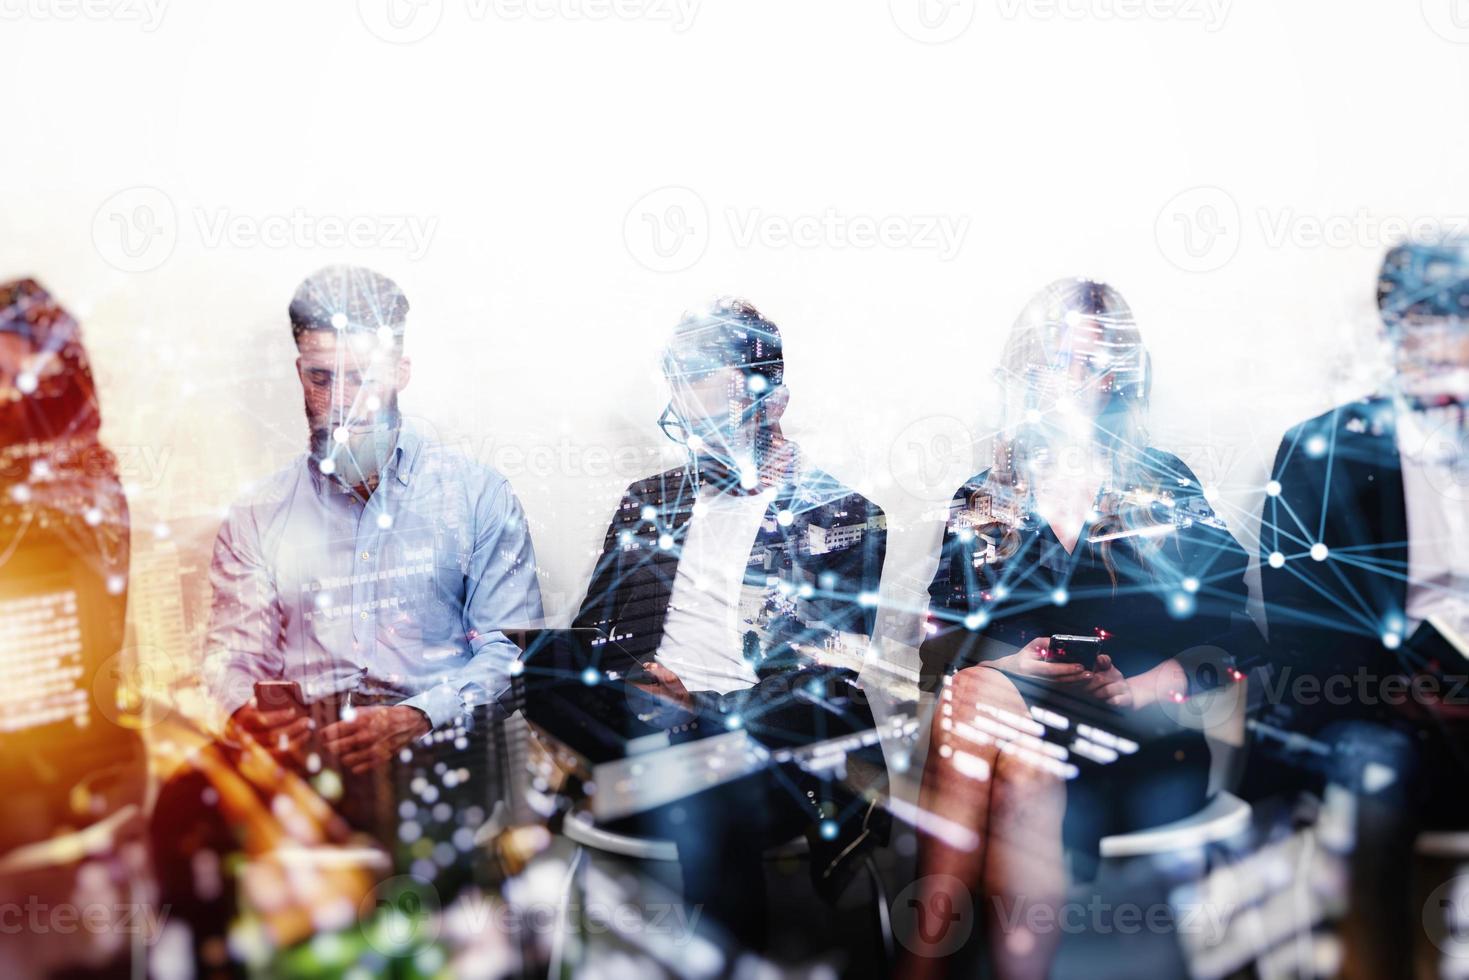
244, 640
501, 592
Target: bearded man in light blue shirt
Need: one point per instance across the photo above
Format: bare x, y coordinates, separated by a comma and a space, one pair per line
379, 570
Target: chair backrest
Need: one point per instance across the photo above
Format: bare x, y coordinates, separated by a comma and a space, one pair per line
1224, 817
579, 828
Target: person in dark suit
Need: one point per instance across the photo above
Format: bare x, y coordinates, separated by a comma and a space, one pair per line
1365, 577
1080, 529
746, 583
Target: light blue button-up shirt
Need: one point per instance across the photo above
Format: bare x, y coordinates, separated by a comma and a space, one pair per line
402, 596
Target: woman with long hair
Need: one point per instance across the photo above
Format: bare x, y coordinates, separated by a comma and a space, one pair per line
1081, 576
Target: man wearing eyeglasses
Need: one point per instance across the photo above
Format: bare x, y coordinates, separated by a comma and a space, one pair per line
738, 580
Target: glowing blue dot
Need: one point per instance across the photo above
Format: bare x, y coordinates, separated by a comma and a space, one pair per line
385, 521
339, 321
973, 621
1318, 551
1001, 591
665, 541
1190, 584
828, 830
1316, 446
1276, 560
1060, 597
867, 599
590, 677
1181, 604
1391, 640
784, 518
516, 668
1272, 489
757, 383
649, 512
733, 722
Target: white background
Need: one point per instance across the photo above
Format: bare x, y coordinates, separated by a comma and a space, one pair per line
1060, 137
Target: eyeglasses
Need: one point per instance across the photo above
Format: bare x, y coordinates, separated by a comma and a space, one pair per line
677, 430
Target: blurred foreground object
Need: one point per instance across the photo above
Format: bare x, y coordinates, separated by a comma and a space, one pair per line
73, 771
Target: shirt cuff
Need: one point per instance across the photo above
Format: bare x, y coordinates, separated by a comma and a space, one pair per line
231, 690
441, 703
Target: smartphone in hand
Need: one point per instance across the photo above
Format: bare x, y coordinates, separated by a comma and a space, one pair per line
1076, 649
276, 696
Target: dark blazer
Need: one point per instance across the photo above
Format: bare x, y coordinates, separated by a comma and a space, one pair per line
811, 591
1342, 669
1340, 484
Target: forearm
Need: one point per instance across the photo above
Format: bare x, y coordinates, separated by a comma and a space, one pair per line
1165, 680
481, 681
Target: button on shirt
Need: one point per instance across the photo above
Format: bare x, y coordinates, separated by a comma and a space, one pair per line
403, 595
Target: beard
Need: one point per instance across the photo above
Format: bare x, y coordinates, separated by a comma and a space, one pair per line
364, 455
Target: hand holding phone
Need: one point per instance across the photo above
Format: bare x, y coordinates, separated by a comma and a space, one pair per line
279, 696
276, 718
1073, 649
